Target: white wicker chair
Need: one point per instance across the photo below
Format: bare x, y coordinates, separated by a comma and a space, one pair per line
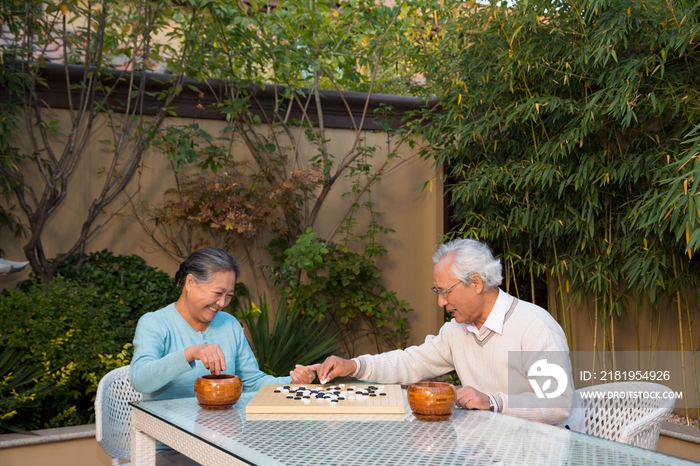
634, 421
113, 414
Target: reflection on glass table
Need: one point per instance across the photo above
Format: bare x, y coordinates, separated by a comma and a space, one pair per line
467, 438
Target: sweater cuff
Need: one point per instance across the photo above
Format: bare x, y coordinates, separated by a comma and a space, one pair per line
497, 401
360, 368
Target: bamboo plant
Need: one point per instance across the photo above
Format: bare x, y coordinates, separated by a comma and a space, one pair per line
569, 136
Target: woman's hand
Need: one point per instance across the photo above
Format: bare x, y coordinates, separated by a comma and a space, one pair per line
211, 356
303, 374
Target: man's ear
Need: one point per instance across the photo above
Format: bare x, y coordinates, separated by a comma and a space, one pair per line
478, 283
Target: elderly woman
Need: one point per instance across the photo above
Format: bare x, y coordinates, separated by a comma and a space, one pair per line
192, 337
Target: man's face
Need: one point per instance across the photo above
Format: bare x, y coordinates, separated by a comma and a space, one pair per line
465, 303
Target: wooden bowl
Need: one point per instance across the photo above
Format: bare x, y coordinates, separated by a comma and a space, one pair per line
218, 391
431, 401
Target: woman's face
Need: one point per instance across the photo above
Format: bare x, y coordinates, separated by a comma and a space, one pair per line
208, 298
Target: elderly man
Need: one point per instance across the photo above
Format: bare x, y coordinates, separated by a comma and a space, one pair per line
501, 347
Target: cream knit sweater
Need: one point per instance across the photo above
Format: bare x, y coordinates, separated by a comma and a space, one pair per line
529, 333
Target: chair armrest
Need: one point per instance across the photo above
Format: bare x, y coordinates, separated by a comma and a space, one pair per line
634, 432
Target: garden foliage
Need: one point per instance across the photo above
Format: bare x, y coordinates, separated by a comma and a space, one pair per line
74, 330
331, 282
569, 136
274, 198
304, 48
103, 46
19, 385
294, 336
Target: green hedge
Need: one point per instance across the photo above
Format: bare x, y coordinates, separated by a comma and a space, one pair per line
77, 328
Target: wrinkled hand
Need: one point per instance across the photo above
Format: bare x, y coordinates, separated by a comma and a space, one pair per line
303, 374
471, 398
211, 356
335, 367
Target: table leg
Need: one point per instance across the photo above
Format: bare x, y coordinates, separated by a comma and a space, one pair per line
143, 446
146, 428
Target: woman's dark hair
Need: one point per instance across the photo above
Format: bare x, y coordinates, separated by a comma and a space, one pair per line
204, 263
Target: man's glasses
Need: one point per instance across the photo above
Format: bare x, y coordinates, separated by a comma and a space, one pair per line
445, 292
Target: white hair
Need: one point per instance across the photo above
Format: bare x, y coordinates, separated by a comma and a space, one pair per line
472, 257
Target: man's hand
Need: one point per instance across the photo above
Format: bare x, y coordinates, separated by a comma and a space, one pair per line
335, 367
211, 356
303, 374
471, 398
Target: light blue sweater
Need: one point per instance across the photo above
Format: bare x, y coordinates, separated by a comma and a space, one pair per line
159, 369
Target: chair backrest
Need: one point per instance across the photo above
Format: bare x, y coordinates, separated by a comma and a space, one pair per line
113, 413
625, 412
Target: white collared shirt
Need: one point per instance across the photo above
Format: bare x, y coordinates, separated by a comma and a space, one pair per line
496, 318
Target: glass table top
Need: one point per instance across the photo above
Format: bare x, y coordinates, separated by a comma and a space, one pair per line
467, 438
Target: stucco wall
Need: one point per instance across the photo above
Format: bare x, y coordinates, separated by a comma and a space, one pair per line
414, 215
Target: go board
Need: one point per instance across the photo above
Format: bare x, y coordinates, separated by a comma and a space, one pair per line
327, 399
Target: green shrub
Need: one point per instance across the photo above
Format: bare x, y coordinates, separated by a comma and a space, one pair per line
335, 283
125, 281
19, 385
63, 334
77, 328
294, 338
